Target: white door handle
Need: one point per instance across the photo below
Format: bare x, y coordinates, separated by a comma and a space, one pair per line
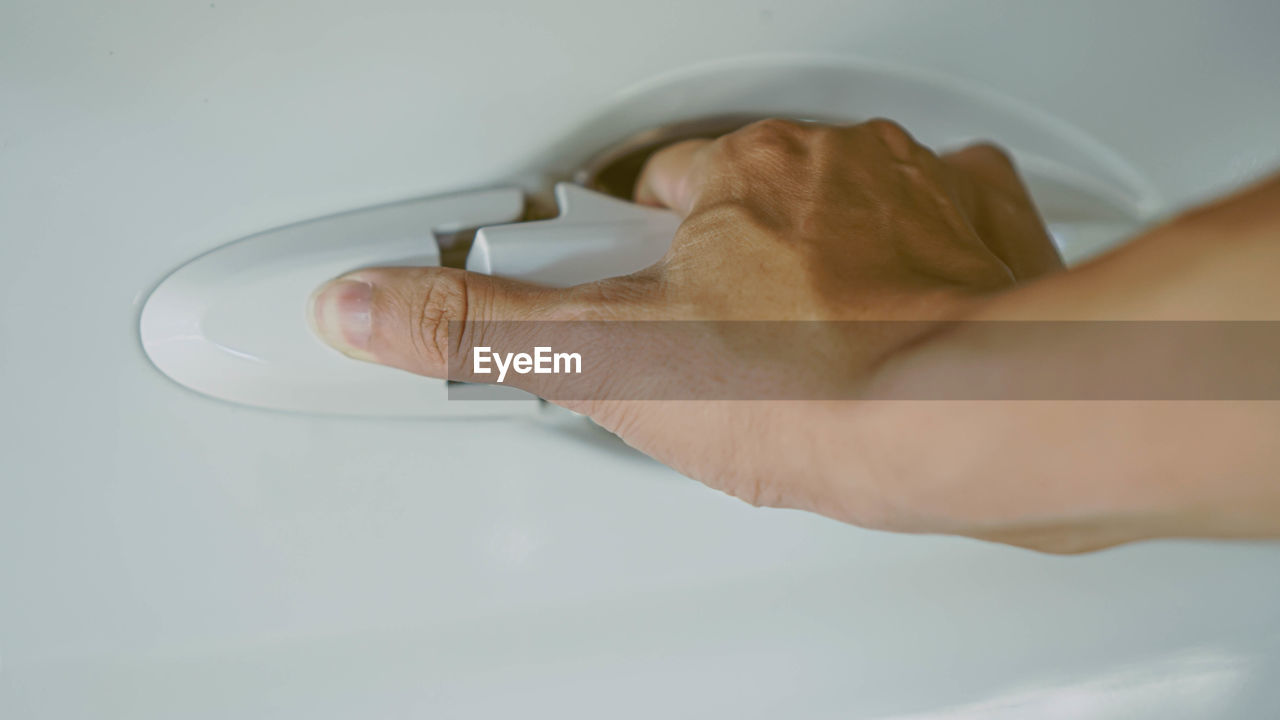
594, 237
231, 323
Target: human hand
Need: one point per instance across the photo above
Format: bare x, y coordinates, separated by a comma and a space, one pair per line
840, 227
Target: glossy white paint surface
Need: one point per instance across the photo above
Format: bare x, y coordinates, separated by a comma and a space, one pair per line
165, 555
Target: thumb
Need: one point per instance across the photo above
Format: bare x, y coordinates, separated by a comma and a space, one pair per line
401, 316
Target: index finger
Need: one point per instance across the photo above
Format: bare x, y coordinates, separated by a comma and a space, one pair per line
672, 177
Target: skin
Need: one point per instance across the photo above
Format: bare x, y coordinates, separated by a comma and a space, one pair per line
786, 221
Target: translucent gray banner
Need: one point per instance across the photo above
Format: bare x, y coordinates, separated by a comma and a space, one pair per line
880, 360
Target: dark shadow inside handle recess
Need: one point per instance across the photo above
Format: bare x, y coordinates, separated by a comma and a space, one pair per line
615, 170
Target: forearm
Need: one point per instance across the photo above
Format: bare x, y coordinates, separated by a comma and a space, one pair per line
1097, 431
1071, 476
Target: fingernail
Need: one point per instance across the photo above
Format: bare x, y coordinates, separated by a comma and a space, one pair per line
340, 316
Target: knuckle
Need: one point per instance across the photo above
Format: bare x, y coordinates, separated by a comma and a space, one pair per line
770, 129
990, 162
990, 153
765, 141
445, 301
892, 135
991, 169
827, 138
625, 297
886, 129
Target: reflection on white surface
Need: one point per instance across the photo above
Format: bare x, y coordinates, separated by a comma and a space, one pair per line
239, 353
513, 546
1192, 684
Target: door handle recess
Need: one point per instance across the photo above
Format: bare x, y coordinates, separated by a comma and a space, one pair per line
231, 323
